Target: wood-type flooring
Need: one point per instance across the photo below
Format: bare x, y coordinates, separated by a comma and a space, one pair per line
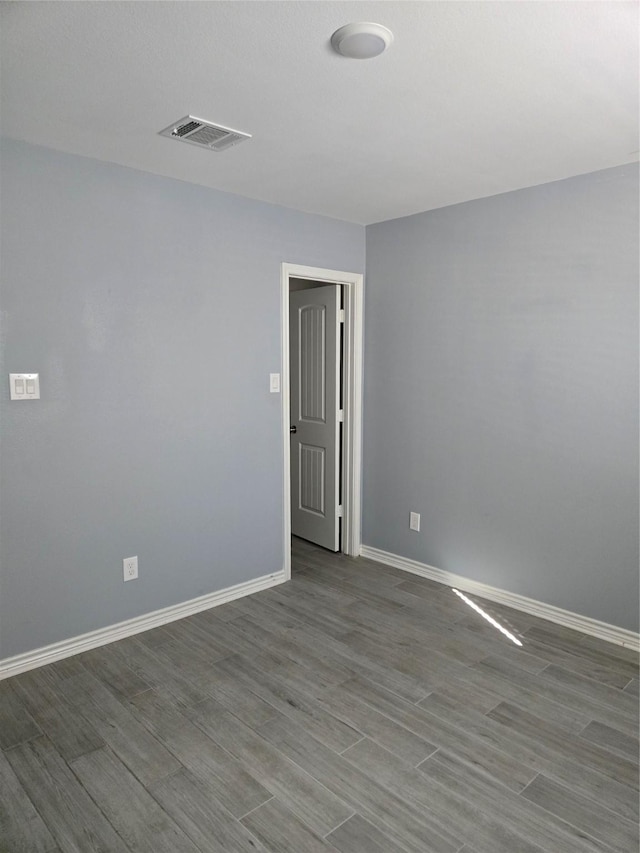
356, 709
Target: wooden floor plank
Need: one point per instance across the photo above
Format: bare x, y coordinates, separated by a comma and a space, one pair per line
294, 702
547, 751
145, 756
615, 832
340, 654
321, 810
526, 689
607, 668
193, 804
16, 724
232, 694
548, 831
139, 820
495, 758
280, 829
623, 745
22, 830
568, 747
71, 734
633, 687
376, 726
104, 663
294, 642
235, 787
611, 650
283, 646
415, 828
156, 672
357, 835
471, 820
70, 813
599, 701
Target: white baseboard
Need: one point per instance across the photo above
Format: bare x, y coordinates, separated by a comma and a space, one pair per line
586, 625
84, 642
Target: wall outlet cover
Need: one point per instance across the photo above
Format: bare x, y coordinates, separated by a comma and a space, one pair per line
130, 568
414, 521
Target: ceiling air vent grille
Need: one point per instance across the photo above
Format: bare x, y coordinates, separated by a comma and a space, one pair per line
204, 133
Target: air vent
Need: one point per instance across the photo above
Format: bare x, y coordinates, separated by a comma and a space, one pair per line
204, 133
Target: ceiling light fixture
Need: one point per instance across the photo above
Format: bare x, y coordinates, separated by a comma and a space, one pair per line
361, 41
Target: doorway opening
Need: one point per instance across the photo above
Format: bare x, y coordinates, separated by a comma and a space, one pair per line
334, 291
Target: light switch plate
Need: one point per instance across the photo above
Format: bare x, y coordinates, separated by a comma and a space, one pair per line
274, 383
24, 386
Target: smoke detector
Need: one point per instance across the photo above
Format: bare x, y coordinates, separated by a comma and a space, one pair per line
203, 133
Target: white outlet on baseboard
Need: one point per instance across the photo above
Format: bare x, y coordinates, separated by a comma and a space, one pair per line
414, 521
130, 568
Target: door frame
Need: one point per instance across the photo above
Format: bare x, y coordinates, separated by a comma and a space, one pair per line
352, 402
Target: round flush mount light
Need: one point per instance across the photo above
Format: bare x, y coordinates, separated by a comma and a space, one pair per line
361, 41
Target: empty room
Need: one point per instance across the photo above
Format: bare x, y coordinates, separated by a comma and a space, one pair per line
319, 448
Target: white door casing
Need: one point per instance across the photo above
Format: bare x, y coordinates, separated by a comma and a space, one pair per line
314, 342
353, 296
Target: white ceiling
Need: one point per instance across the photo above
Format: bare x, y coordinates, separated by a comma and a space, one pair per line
472, 98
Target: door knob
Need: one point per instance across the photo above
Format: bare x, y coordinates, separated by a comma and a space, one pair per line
293, 429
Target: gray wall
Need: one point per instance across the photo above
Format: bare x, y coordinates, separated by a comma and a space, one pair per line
501, 391
151, 310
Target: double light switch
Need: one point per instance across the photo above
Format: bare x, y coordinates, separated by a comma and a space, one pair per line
24, 386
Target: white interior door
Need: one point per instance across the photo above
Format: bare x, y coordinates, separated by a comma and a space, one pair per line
314, 317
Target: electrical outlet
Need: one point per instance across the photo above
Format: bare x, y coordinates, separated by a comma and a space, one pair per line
414, 521
130, 568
